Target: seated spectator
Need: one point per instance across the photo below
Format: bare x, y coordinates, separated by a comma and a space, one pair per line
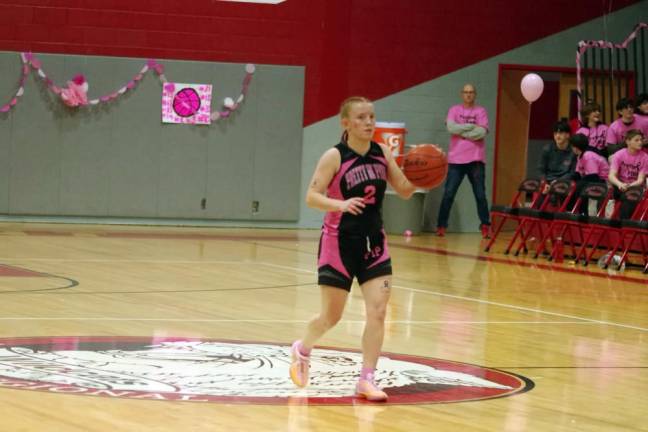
628, 167
593, 128
641, 107
627, 121
557, 160
591, 167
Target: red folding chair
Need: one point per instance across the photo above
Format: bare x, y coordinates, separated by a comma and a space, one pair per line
604, 231
567, 227
633, 232
528, 187
536, 220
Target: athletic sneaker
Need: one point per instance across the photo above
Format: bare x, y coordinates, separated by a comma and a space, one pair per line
299, 366
485, 231
441, 231
367, 389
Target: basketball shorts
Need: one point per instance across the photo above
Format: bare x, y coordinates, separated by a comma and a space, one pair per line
343, 257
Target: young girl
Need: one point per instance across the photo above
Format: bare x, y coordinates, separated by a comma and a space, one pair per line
628, 167
349, 185
593, 128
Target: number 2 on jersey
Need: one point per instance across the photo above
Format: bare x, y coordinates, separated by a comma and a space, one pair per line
369, 197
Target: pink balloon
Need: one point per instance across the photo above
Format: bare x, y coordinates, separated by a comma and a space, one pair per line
532, 87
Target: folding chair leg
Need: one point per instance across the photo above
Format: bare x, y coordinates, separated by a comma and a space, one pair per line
610, 257
542, 246
523, 238
594, 247
495, 233
626, 249
571, 240
515, 236
583, 250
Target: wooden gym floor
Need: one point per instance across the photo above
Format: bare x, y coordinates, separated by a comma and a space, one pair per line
580, 335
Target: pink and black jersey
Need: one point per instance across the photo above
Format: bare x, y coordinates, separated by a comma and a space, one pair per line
363, 176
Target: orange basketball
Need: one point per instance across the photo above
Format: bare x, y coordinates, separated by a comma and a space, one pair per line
425, 166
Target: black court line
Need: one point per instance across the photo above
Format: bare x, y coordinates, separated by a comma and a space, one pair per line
71, 282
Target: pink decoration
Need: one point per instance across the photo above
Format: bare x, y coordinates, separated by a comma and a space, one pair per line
76, 92
532, 87
408, 233
583, 46
170, 87
79, 80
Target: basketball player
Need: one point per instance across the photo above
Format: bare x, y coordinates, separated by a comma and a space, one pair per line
468, 124
349, 185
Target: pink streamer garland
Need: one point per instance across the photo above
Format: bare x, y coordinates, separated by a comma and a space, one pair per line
585, 45
28, 59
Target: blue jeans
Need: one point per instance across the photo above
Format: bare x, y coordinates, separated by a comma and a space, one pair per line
476, 174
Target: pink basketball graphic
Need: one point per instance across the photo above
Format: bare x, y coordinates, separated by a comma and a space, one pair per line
186, 102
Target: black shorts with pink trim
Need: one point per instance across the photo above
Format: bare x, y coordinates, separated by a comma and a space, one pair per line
343, 257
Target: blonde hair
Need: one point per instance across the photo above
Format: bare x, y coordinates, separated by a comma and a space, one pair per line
345, 107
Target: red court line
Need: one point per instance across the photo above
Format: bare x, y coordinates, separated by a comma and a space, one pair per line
550, 267
6, 270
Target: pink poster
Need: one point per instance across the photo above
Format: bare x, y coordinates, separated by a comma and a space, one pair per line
186, 103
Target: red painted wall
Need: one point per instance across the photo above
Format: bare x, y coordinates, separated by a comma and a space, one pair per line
368, 47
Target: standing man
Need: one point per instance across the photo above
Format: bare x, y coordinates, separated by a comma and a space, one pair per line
468, 124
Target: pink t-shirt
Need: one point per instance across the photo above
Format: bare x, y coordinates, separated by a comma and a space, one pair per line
628, 166
596, 135
592, 163
463, 150
618, 130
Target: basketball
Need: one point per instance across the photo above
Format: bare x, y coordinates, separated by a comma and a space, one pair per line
425, 166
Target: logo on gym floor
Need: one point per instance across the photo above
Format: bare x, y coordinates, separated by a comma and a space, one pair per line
202, 370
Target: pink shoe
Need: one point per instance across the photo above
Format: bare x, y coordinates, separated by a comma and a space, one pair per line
366, 388
299, 366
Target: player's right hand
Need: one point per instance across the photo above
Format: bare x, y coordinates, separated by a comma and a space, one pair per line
352, 205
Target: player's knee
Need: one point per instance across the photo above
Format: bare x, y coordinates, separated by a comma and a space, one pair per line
377, 312
331, 318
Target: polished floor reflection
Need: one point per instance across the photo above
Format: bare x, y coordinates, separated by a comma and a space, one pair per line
580, 335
